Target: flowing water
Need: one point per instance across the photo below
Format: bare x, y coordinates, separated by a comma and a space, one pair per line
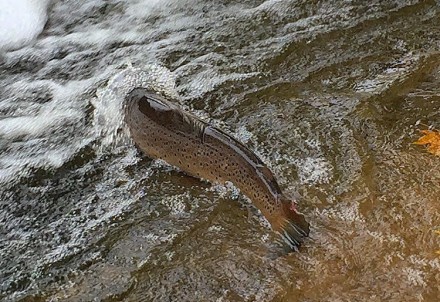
330, 94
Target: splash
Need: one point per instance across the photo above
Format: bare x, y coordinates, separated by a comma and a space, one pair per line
109, 103
21, 21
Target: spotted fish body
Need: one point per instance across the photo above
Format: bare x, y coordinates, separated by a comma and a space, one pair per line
162, 130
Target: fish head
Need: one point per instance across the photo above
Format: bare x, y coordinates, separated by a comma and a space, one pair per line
147, 100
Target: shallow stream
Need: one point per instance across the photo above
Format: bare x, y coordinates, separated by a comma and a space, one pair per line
330, 94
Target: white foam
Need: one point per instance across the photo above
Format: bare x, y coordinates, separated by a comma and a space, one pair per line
415, 277
33, 129
35, 119
21, 21
108, 105
314, 170
176, 203
141, 9
396, 73
209, 79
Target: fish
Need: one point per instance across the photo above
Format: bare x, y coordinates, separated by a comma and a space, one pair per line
161, 129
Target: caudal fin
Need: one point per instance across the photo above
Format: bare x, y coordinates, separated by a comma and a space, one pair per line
293, 226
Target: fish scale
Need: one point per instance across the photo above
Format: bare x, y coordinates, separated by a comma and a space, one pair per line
162, 130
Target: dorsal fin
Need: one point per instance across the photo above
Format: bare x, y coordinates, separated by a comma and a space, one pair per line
250, 156
270, 178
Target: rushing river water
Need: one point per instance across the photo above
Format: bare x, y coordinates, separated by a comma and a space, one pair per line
330, 94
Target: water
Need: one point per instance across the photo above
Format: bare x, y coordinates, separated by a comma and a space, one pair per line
21, 21
330, 94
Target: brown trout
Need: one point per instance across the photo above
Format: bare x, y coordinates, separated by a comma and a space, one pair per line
162, 130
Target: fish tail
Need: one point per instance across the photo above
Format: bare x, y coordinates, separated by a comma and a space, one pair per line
293, 226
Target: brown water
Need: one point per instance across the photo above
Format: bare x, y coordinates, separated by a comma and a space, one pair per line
330, 94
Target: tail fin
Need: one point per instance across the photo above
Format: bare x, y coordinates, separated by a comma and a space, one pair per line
293, 227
